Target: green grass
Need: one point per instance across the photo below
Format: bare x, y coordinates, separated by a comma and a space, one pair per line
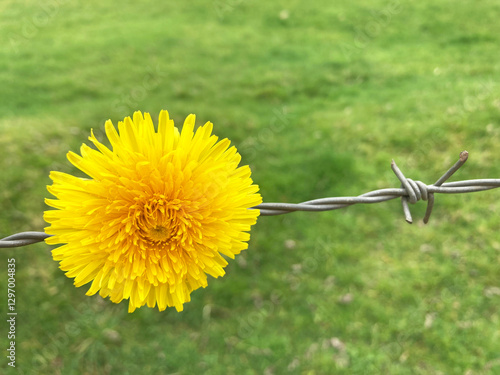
318, 100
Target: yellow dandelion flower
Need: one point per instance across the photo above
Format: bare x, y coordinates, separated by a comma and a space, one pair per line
157, 214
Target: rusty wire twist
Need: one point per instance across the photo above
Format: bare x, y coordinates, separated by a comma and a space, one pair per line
410, 191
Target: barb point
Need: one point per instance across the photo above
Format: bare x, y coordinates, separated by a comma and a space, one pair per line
464, 155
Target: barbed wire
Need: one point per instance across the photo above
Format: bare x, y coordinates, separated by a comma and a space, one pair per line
23, 239
410, 191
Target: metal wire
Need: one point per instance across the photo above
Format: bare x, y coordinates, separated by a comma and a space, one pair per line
23, 239
410, 192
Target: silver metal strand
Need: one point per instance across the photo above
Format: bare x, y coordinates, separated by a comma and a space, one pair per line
410, 192
23, 239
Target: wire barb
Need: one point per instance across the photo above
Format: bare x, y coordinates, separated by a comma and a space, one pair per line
410, 192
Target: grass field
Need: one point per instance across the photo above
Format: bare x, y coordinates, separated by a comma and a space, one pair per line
318, 97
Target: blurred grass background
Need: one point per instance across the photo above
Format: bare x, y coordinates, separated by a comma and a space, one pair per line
318, 97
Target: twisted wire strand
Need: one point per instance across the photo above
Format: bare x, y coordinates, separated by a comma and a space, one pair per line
23, 239
410, 191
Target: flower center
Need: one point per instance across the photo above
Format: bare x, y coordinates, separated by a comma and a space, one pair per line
159, 233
